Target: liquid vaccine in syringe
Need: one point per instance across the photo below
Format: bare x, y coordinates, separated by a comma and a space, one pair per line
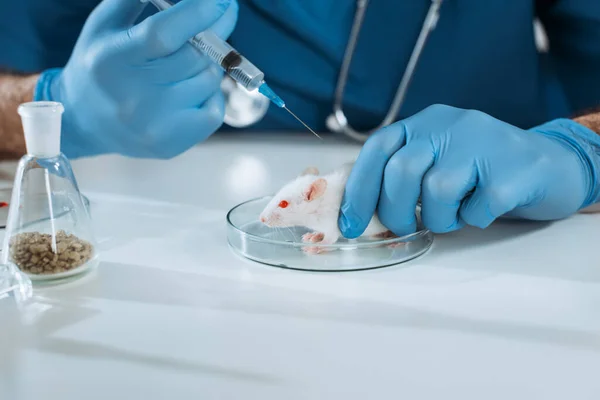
222, 54
234, 64
239, 68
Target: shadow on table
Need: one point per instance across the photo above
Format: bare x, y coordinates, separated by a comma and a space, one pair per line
228, 294
519, 258
56, 308
502, 231
76, 348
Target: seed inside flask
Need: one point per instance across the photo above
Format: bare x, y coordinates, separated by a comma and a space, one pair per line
32, 252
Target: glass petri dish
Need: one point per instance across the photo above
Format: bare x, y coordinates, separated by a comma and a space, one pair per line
283, 247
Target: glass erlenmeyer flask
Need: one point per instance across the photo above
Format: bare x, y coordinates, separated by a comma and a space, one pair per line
48, 231
14, 284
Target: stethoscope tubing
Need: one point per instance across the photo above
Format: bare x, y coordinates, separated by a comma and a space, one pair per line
337, 121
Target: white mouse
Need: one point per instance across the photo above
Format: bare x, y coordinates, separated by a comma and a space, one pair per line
313, 201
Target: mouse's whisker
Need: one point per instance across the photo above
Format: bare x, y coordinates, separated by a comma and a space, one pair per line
280, 233
291, 233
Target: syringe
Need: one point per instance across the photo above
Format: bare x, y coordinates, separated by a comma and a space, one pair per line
232, 62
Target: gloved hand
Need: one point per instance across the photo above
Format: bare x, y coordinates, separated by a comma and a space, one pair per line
140, 90
469, 168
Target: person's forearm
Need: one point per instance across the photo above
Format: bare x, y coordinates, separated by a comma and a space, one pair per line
590, 119
14, 90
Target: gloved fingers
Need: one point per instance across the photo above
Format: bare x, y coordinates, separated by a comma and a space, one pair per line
363, 187
187, 128
225, 25
184, 64
167, 31
402, 186
112, 15
444, 188
196, 91
188, 61
437, 115
487, 203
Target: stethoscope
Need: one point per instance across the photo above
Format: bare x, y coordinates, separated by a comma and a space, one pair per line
245, 108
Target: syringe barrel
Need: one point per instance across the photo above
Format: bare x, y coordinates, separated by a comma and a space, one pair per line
236, 65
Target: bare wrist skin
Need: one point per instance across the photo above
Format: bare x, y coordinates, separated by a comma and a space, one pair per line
590, 119
14, 90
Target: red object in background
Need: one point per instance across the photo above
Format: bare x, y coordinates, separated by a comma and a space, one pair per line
3, 204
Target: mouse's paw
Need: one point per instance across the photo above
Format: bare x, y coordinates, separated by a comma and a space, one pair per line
313, 249
384, 235
394, 245
316, 249
313, 237
388, 235
322, 239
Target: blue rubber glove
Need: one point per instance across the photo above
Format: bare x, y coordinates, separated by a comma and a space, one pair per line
140, 90
469, 169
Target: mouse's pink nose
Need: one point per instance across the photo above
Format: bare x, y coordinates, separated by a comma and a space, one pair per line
263, 219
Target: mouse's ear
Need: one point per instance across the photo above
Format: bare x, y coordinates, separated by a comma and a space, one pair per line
310, 171
315, 189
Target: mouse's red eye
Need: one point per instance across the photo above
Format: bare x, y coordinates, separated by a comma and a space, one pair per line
283, 204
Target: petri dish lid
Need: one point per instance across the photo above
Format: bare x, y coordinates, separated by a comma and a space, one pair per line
283, 247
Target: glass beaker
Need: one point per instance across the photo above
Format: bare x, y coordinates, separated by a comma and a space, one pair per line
48, 231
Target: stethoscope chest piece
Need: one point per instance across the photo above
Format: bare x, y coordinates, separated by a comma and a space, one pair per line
336, 122
242, 108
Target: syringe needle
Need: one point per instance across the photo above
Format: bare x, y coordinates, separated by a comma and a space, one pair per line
302, 122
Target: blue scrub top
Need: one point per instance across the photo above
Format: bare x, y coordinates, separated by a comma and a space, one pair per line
482, 55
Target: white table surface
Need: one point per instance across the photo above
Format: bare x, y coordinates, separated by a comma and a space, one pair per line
510, 312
